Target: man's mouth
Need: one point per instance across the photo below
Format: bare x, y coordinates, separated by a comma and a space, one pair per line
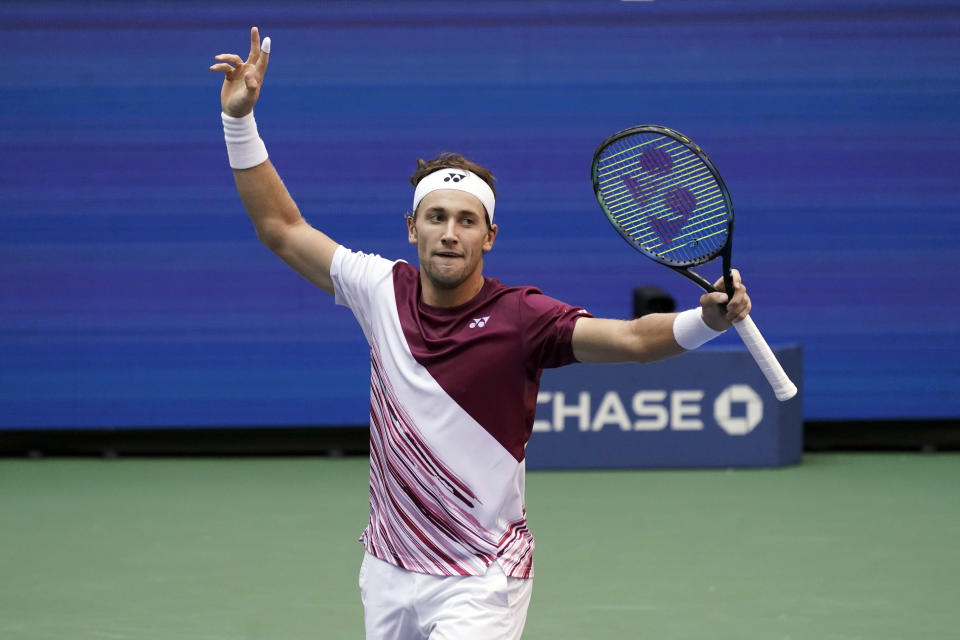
447, 254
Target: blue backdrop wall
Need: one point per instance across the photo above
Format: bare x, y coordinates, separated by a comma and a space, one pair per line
133, 292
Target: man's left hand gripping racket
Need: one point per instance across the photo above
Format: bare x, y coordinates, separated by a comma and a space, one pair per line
665, 197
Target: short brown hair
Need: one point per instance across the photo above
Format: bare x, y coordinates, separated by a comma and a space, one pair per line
452, 161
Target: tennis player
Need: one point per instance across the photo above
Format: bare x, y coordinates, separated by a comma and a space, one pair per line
456, 359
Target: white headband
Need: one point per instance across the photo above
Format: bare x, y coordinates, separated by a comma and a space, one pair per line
459, 179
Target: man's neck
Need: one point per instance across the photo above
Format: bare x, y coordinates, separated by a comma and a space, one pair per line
437, 297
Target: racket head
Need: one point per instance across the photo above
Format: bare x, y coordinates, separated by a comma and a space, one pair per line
664, 196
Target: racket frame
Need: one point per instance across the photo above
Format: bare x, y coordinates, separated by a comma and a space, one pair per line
682, 267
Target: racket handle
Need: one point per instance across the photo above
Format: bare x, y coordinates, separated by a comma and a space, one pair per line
783, 388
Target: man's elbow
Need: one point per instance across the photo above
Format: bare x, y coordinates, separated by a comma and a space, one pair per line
273, 236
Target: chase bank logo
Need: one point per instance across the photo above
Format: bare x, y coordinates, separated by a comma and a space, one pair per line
737, 409
738, 394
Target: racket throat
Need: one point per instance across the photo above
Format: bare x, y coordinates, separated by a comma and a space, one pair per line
728, 269
696, 277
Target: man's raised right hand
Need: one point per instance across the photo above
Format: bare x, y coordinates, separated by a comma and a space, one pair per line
243, 78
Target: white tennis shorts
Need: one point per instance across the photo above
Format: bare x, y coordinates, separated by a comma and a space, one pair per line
404, 605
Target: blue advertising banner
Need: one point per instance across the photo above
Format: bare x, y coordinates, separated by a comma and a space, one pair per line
134, 293
706, 408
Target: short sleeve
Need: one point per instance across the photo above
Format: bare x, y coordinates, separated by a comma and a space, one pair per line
356, 278
547, 326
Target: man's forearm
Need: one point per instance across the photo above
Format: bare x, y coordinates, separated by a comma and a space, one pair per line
656, 336
652, 338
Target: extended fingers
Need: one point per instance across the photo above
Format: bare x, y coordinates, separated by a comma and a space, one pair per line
264, 55
254, 45
232, 58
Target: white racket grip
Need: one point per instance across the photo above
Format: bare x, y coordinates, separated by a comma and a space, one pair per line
783, 388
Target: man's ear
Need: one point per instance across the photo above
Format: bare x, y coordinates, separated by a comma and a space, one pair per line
491, 236
411, 230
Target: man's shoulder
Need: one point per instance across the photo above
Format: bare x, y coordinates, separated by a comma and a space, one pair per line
359, 264
527, 295
498, 288
404, 269
530, 302
527, 302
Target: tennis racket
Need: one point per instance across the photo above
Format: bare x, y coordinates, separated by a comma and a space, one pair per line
663, 195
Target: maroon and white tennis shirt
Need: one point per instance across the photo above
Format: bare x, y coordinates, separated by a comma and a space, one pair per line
453, 395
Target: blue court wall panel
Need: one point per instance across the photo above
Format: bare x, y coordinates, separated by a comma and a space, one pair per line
133, 292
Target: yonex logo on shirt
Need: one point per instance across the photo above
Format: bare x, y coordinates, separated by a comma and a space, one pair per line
479, 322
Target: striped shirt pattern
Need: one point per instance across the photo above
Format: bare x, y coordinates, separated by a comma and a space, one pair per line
446, 491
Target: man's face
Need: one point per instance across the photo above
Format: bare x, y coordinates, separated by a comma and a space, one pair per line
451, 234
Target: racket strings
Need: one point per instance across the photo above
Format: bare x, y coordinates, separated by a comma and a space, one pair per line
611, 168
633, 180
632, 148
630, 185
630, 212
679, 241
711, 209
664, 197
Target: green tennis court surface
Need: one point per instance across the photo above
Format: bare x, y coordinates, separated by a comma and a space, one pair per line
843, 547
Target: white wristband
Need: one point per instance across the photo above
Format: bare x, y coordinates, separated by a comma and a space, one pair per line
690, 331
245, 149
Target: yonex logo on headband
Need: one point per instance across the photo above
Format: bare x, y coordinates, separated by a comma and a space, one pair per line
459, 180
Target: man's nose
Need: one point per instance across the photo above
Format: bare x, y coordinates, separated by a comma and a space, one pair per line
449, 232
